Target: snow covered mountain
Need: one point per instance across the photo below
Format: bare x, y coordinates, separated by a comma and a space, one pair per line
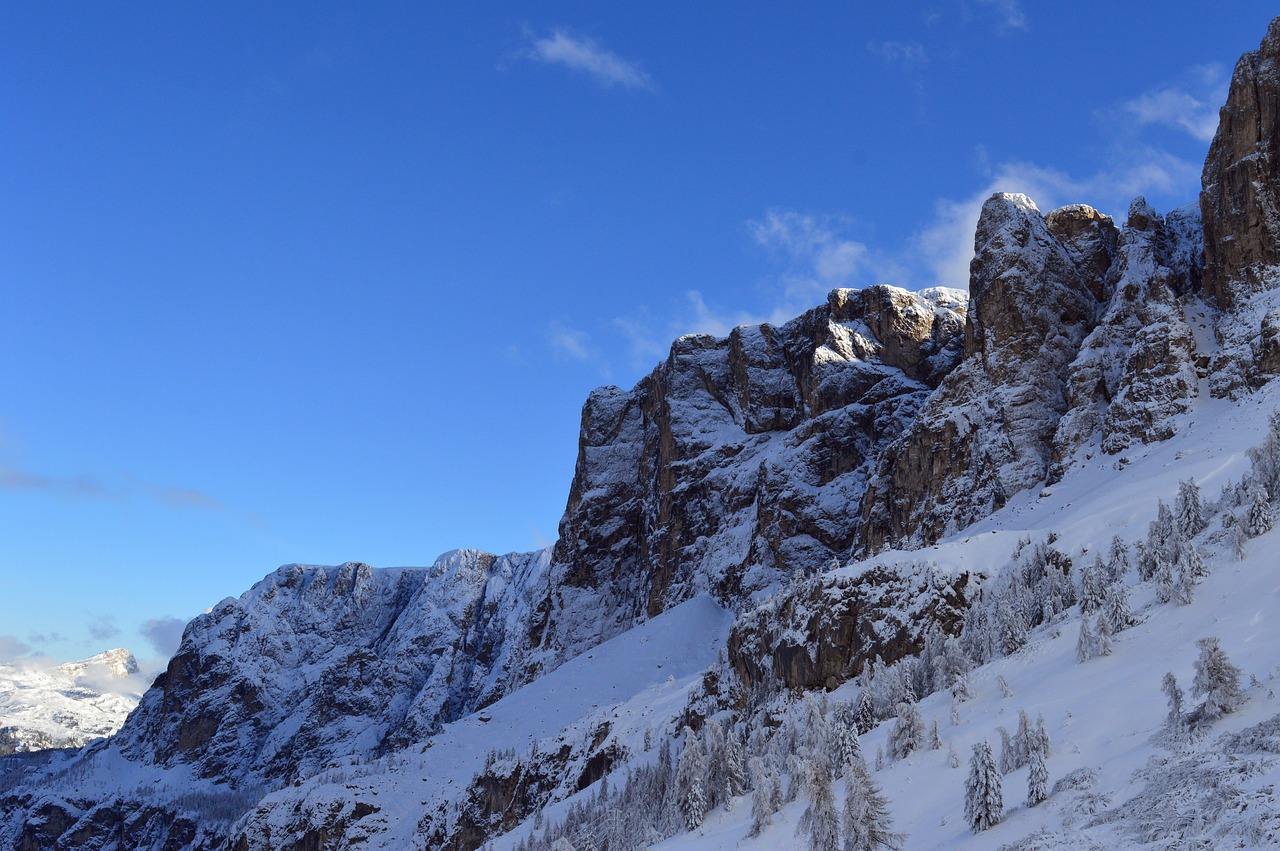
66, 706
975, 453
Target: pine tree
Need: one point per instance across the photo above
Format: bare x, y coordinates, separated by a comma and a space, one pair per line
1116, 609
1258, 521
1008, 753
1175, 721
844, 736
1189, 510
1093, 586
908, 731
1013, 630
766, 798
713, 742
1085, 643
1166, 590
1118, 564
691, 773
983, 802
864, 717
1217, 679
1037, 777
1022, 740
735, 770
819, 822
953, 758
867, 823
1103, 638
935, 740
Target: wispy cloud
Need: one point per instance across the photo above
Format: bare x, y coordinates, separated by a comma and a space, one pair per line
11, 648
587, 56
1009, 13
910, 55
569, 343
86, 486
164, 634
1191, 106
103, 628
945, 244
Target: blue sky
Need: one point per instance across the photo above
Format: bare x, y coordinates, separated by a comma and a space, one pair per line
323, 282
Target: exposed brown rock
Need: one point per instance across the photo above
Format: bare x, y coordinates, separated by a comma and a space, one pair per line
1242, 178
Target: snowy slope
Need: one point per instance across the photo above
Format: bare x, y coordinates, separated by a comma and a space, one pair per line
58, 706
1105, 714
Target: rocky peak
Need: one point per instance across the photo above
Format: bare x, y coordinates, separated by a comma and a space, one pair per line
1090, 240
1239, 197
986, 432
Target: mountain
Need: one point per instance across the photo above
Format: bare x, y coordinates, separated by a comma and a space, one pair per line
66, 706
868, 500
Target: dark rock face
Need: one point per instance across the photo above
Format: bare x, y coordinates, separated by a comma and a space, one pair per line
824, 633
1135, 371
736, 459
986, 433
1240, 191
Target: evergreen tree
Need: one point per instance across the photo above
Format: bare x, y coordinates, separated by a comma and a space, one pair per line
864, 717
1189, 510
713, 741
1166, 589
1013, 630
953, 758
819, 822
1022, 740
1116, 609
691, 774
867, 823
1175, 721
1037, 777
935, 740
1103, 638
1008, 753
844, 736
1085, 643
766, 798
1118, 563
735, 770
1092, 586
908, 731
983, 802
1042, 737
1259, 519
1217, 679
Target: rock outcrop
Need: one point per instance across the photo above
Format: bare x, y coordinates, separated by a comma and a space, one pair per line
1240, 197
736, 461
1135, 371
387, 657
1035, 290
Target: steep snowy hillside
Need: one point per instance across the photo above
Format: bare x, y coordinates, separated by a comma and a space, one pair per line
66, 706
1118, 777
891, 497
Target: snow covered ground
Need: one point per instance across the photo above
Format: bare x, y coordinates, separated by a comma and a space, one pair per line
1104, 715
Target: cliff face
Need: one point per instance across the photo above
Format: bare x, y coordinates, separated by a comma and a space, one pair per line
736, 460
1240, 187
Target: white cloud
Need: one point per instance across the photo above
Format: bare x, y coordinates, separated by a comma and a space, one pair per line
1009, 13
1194, 111
569, 343
908, 54
945, 245
164, 634
579, 53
